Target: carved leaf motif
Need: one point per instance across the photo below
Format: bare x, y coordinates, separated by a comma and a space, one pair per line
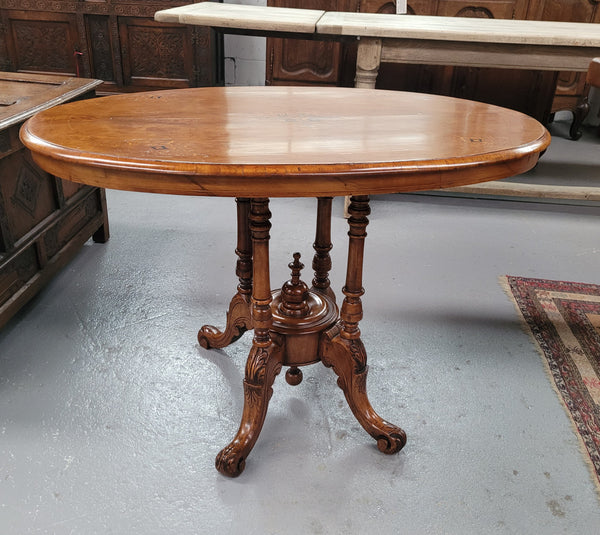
359, 355
253, 394
256, 366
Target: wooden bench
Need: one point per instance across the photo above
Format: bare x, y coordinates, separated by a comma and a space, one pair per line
475, 42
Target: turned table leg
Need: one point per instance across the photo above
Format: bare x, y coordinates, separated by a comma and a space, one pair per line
322, 261
238, 316
342, 348
265, 359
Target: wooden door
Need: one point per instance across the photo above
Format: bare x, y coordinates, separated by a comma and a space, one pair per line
156, 54
42, 42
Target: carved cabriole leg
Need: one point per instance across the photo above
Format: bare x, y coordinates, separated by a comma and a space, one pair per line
238, 316
322, 261
265, 359
263, 365
342, 348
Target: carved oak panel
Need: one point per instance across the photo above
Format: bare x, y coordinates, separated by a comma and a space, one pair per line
170, 62
46, 42
28, 193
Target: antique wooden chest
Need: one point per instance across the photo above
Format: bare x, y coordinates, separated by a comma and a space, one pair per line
43, 220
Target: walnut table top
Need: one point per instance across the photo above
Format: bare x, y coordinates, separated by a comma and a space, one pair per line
282, 141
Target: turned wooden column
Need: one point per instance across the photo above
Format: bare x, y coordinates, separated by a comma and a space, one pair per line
243, 268
322, 245
351, 312
368, 59
260, 225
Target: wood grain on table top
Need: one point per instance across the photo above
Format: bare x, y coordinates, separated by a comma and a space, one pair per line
282, 141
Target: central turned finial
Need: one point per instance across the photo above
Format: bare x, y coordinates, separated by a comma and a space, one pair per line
294, 293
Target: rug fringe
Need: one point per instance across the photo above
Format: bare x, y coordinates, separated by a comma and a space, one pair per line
503, 280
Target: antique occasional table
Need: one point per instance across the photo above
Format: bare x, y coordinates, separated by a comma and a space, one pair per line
261, 142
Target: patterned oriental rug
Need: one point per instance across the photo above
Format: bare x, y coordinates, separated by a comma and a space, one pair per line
564, 320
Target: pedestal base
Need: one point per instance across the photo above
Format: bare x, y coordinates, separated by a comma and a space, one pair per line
295, 327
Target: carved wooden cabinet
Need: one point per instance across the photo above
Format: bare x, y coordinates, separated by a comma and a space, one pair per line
116, 41
533, 92
43, 220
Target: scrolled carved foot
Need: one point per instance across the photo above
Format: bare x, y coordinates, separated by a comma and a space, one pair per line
263, 365
238, 322
229, 462
393, 441
348, 360
210, 337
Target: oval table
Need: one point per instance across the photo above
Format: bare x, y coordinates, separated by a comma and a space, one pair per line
259, 142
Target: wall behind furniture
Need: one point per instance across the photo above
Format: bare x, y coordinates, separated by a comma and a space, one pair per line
245, 55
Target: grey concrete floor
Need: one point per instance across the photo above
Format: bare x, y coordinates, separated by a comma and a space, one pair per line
111, 414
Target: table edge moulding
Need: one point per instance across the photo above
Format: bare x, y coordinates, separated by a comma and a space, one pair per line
158, 172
